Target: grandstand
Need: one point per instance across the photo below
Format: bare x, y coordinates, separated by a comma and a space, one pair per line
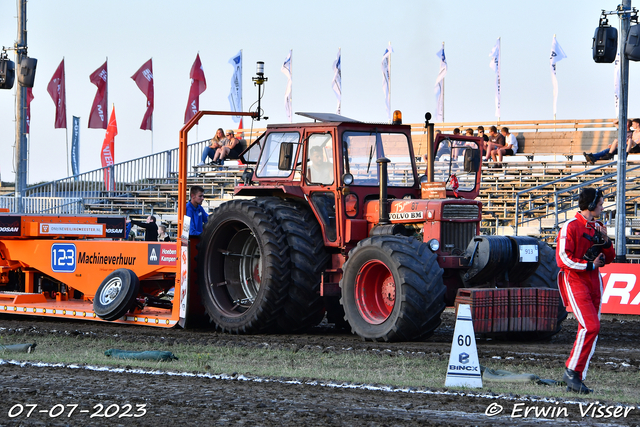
530, 193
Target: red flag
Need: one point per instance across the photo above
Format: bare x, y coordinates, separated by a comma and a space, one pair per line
198, 85
240, 126
57, 92
98, 115
144, 79
29, 99
107, 154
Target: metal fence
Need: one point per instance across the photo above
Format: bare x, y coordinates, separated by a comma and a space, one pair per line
48, 205
556, 205
68, 195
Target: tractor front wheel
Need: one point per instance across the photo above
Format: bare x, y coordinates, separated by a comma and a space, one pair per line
392, 289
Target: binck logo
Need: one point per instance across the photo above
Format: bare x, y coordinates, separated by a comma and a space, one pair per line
463, 368
463, 358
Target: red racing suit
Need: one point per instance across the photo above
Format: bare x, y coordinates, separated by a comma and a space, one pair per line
580, 286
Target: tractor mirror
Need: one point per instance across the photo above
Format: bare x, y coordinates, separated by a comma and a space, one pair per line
471, 160
286, 154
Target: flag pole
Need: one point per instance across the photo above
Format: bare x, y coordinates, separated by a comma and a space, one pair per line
554, 111
443, 91
66, 132
500, 63
66, 137
152, 118
391, 114
291, 93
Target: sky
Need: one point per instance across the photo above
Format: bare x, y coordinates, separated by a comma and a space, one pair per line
128, 33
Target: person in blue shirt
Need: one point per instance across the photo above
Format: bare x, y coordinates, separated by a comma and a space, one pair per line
195, 210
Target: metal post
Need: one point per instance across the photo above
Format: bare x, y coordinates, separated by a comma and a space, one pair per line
169, 164
555, 202
516, 213
383, 208
621, 247
21, 107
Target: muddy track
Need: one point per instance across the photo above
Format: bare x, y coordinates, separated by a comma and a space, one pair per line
190, 400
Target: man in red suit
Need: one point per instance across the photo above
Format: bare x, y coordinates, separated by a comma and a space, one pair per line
582, 248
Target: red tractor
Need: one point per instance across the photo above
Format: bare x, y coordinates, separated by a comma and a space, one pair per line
342, 222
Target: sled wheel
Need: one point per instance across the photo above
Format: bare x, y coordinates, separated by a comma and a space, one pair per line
116, 294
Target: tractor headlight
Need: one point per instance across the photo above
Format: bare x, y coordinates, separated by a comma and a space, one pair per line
434, 245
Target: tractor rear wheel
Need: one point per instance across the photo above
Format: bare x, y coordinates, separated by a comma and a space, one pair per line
243, 268
303, 307
392, 289
545, 276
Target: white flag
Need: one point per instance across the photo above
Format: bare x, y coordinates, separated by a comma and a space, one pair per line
286, 69
495, 66
616, 83
386, 78
235, 95
337, 80
556, 55
439, 89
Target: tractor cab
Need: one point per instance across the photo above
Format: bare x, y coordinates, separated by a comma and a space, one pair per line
457, 163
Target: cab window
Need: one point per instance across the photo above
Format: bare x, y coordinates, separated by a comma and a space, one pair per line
279, 154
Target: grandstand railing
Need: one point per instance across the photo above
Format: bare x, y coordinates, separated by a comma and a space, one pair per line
144, 172
552, 202
45, 205
120, 179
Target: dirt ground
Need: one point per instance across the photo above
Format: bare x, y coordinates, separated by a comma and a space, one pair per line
204, 401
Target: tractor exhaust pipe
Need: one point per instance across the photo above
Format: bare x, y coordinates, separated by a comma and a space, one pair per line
430, 154
384, 208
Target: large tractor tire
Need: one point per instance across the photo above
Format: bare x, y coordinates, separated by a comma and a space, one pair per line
392, 289
545, 276
303, 306
243, 268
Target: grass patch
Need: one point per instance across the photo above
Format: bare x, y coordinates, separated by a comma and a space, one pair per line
361, 367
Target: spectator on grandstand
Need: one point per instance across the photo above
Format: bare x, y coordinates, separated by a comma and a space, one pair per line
195, 211
510, 148
635, 137
496, 141
469, 132
485, 139
163, 236
230, 149
611, 150
150, 227
456, 131
214, 144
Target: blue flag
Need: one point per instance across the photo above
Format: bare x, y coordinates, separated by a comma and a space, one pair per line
75, 146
